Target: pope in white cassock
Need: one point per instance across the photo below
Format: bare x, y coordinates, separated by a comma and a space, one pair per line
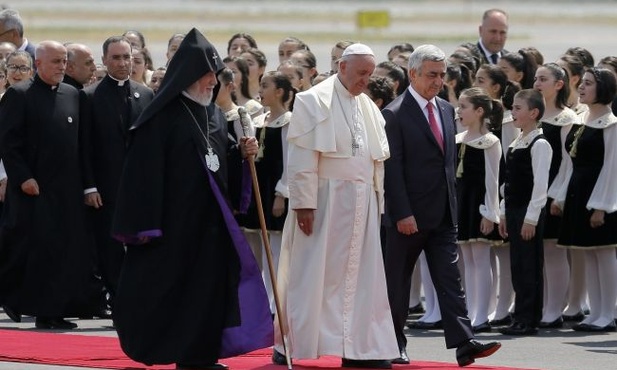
331, 276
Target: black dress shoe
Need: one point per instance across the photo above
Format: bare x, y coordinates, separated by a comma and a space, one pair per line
555, 324
278, 358
595, 328
367, 364
471, 350
507, 320
12, 314
104, 313
53, 323
215, 366
423, 325
403, 359
576, 317
417, 309
518, 328
482, 328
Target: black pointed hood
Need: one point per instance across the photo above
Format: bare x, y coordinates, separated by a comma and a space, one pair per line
195, 57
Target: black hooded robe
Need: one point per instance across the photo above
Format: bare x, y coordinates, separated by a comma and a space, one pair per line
177, 290
188, 294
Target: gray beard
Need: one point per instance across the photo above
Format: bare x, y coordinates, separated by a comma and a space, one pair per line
198, 98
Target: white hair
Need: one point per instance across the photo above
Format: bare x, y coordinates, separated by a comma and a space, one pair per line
425, 53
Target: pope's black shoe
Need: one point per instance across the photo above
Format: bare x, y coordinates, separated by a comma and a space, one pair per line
12, 314
367, 364
467, 353
403, 359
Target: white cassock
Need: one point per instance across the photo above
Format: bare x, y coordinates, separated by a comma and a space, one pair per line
332, 283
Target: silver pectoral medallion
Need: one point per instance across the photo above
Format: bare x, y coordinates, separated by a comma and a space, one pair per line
212, 160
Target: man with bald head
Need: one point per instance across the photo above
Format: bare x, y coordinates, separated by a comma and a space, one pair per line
331, 272
80, 65
46, 259
493, 35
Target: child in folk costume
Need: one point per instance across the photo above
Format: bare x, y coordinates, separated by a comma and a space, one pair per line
477, 178
589, 201
271, 131
495, 81
523, 211
552, 82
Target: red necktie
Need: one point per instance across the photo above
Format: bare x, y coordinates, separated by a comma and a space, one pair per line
433, 123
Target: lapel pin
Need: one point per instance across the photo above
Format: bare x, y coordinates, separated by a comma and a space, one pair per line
70, 119
136, 95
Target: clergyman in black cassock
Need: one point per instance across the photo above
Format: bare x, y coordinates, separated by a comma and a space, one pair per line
108, 109
45, 253
190, 291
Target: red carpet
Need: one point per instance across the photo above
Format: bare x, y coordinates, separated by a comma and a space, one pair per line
105, 353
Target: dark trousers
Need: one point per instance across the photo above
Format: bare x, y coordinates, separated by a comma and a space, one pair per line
439, 245
109, 252
526, 264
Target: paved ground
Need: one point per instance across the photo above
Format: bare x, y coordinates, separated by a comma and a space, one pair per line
560, 349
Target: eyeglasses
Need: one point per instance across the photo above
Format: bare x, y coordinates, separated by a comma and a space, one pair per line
14, 68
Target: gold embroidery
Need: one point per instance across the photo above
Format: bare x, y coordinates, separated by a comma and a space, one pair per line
461, 157
577, 135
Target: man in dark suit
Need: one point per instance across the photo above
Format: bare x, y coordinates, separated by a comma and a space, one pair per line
108, 109
493, 35
12, 30
421, 203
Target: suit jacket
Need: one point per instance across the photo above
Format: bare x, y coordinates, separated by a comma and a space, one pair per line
483, 52
30, 49
104, 133
420, 178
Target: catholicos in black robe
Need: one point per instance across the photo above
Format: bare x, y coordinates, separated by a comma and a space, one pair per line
190, 291
46, 256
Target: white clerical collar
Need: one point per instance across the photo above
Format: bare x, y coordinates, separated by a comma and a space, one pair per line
120, 82
185, 93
